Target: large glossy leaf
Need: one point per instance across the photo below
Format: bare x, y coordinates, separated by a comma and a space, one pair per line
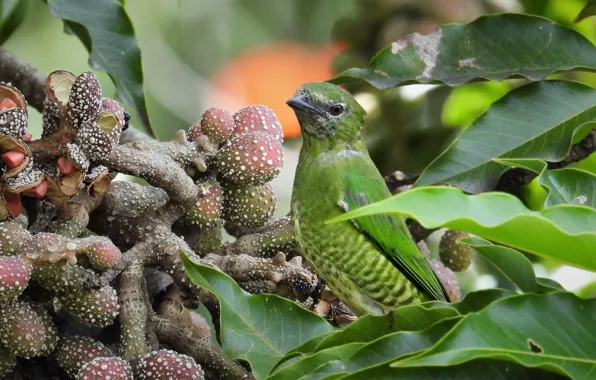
565, 233
511, 263
538, 120
552, 331
261, 328
562, 186
406, 318
493, 47
12, 15
473, 370
351, 357
107, 33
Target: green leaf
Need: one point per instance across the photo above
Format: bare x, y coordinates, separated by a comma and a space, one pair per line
406, 318
477, 300
511, 263
12, 15
567, 232
563, 186
539, 120
261, 328
588, 10
107, 32
473, 370
550, 331
493, 47
355, 356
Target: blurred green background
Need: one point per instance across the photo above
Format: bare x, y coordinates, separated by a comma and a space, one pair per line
231, 53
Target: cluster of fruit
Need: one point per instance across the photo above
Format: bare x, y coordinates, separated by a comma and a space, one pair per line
250, 155
80, 128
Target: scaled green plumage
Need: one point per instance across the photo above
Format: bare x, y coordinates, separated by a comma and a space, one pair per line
371, 263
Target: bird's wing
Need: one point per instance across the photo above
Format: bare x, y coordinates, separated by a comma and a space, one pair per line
388, 232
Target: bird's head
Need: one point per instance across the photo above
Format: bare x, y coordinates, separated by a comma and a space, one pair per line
325, 110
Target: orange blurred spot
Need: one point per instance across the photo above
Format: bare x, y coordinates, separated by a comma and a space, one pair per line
270, 76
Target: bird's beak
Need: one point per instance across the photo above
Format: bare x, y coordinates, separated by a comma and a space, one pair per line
299, 104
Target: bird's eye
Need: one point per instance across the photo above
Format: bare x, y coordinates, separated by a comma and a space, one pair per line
337, 109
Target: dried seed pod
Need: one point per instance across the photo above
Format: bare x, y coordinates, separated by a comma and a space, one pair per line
258, 118
26, 331
207, 210
98, 180
94, 141
167, 364
84, 100
112, 368
50, 118
249, 206
15, 154
58, 87
13, 111
217, 124
74, 352
96, 307
77, 156
111, 119
251, 159
14, 277
455, 255
10, 204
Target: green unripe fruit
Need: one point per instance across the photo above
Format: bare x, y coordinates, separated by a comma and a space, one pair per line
96, 307
249, 206
26, 331
455, 255
207, 210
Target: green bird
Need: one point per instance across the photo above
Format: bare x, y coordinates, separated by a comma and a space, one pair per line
371, 263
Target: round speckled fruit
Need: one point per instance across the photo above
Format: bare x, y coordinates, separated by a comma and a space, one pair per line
217, 124
96, 307
447, 279
112, 368
258, 118
26, 331
167, 364
251, 159
207, 210
455, 255
14, 277
74, 352
249, 206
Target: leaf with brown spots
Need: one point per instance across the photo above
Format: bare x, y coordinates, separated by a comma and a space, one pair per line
493, 47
